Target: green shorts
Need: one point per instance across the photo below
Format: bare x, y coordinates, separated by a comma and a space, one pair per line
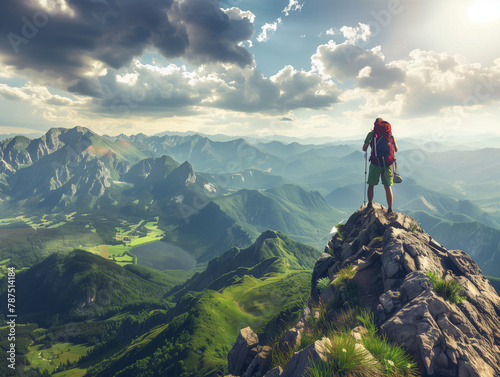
376, 171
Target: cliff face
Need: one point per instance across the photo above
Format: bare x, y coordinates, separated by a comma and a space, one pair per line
445, 339
393, 261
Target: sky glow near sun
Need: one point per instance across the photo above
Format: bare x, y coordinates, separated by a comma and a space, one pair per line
484, 11
250, 67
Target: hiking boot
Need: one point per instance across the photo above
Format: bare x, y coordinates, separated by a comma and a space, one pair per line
369, 205
389, 210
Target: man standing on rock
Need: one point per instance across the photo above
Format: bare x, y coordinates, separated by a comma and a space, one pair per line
383, 146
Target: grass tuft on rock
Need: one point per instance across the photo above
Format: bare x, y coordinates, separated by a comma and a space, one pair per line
345, 274
340, 228
449, 290
345, 358
323, 283
375, 356
415, 226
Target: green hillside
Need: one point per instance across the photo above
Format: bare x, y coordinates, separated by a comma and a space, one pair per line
82, 285
197, 340
24, 246
280, 253
124, 327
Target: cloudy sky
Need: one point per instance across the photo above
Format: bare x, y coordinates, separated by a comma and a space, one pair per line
290, 67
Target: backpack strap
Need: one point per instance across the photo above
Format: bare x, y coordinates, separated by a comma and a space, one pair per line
374, 141
372, 153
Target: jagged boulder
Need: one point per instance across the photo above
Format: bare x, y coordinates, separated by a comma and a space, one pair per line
393, 256
324, 264
248, 358
260, 364
302, 360
243, 352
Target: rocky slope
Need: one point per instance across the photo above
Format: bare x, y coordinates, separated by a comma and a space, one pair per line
391, 258
63, 166
20, 151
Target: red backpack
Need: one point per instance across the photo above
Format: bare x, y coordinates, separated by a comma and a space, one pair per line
382, 144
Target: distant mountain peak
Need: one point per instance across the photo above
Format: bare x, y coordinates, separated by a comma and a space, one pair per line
65, 165
267, 235
186, 166
20, 139
56, 138
184, 173
68, 134
58, 130
270, 234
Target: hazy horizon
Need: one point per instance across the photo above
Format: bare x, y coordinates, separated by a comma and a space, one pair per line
477, 141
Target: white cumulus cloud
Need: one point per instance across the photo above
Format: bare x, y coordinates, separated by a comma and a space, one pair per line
432, 84
345, 61
267, 29
355, 34
271, 27
292, 6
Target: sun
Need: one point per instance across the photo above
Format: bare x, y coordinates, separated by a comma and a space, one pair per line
484, 10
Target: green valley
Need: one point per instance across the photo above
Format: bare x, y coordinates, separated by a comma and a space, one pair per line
121, 324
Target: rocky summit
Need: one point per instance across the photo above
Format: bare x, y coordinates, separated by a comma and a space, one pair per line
403, 277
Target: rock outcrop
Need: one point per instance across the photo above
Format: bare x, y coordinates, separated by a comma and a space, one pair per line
247, 357
392, 259
243, 352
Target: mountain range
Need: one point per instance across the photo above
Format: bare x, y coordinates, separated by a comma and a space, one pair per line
100, 182
253, 215
212, 195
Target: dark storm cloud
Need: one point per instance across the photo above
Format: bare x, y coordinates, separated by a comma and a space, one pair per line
64, 45
213, 34
87, 86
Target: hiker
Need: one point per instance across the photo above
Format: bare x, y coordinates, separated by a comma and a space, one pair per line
383, 145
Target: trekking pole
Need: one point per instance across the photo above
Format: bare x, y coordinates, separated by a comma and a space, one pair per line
364, 196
